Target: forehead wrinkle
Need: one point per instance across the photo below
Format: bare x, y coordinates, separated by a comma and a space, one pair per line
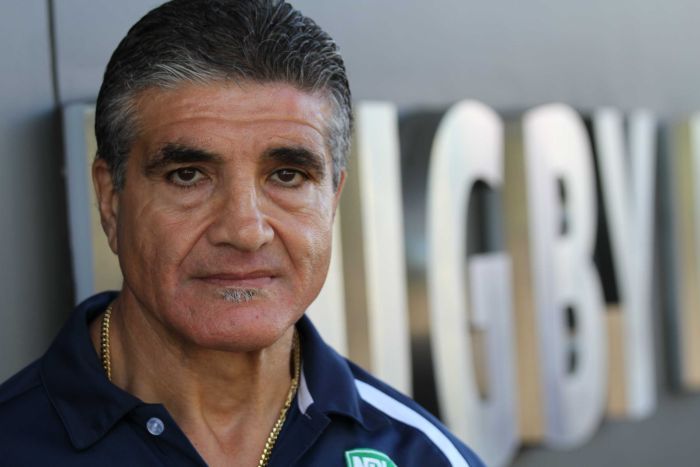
217, 105
199, 106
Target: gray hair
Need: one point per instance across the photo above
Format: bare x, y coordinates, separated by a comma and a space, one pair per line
205, 41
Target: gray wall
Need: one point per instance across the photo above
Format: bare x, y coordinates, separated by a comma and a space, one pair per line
506, 53
515, 54
509, 54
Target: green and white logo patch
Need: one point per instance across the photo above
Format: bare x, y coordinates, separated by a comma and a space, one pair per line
367, 458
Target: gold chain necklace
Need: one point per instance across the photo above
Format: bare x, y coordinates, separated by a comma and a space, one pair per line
274, 434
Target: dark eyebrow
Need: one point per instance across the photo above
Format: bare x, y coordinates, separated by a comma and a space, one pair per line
298, 157
173, 153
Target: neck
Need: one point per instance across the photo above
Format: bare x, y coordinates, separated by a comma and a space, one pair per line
214, 396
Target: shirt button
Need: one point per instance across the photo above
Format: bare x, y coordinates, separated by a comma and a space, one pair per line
155, 426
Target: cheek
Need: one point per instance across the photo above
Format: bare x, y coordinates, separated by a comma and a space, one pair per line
309, 244
156, 239
321, 234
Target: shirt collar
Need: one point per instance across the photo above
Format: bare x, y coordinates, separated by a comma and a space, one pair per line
327, 383
87, 403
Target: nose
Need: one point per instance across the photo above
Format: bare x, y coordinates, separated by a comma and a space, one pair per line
239, 220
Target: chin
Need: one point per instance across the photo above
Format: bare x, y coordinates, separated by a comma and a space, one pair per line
241, 321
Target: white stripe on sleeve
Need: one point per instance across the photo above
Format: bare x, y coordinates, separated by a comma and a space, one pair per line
405, 414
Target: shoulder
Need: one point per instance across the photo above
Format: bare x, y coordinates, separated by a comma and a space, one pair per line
28, 421
25, 383
418, 429
23, 400
364, 419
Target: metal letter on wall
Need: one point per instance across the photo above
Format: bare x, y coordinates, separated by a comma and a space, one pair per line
470, 296
373, 250
685, 183
627, 185
95, 266
328, 310
561, 335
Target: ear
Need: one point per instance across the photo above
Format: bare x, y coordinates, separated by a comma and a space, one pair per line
339, 190
107, 200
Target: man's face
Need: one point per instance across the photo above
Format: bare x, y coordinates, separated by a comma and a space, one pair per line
223, 227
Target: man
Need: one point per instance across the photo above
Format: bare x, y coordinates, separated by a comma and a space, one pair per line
222, 130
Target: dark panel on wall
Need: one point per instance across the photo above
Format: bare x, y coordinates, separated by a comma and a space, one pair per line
87, 31
35, 272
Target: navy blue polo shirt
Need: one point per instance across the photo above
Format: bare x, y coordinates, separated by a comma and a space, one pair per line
62, 411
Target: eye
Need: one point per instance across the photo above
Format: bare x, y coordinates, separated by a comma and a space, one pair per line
289, 177
186, 176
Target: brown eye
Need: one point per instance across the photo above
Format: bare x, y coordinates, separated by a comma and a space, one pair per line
186, 176
288, 177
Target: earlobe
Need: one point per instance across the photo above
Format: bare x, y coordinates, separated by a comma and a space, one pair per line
107, 200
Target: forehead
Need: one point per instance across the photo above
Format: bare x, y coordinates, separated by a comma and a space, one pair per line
223, 109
